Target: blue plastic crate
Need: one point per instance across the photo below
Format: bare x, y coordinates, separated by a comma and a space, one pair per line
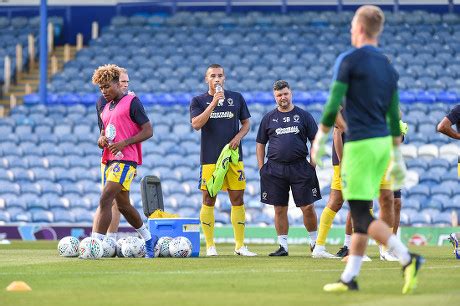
186, 227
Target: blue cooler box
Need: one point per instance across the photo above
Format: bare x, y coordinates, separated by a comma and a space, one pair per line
175, 227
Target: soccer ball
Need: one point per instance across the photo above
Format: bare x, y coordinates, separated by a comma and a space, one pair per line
109, 245
120, 243
68, 247
133, 247
180, 247
91, 248
162, 247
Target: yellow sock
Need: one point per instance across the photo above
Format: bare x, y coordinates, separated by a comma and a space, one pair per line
238, 217
325, 223
207, 224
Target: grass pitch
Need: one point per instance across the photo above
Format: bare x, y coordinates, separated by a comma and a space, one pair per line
224, 280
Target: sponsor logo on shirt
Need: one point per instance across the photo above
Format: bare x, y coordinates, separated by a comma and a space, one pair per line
222, 115
287, 130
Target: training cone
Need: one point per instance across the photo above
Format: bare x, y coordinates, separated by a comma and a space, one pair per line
18, 286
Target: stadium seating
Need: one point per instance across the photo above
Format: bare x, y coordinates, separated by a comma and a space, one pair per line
57, 177
422, 45
50, 159
15, 30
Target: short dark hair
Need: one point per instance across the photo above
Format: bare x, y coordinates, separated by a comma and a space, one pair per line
214, 66
280, 84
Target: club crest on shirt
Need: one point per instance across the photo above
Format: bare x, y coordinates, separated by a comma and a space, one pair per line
314, 191
264, 195
116, 168
296, 118
110, 132
230, 101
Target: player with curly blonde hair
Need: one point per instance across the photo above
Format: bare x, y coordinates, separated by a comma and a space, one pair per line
100, 104
124, 126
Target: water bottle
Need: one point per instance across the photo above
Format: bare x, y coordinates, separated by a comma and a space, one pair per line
119, 155
110, 133
220, 89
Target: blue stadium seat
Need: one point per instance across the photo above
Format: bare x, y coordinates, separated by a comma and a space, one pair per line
63, 216
420, 219
49, 187
14, 161
28, 187
431, 177
411, 204
4, 217
442, 189
42, 217
63, 174
71, 187
78, 202
21, 175
442, 219
22, 217
9, 188
82, 216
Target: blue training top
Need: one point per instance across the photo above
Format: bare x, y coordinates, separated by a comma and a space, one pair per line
371, 81
287, 134
223, 124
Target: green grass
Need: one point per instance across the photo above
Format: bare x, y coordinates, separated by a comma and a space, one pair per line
223, 280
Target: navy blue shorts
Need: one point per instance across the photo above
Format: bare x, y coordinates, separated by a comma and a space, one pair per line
276, 179
397, 194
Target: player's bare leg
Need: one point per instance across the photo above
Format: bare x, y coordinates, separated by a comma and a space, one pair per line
397, 211
113, 227
386, 201
104, 217
282, 229
127, 210
310, 222
133, 218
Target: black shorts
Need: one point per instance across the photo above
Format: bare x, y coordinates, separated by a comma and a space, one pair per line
300, 177
397, 194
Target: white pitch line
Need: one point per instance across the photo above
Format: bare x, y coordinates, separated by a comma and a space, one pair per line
149, 272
